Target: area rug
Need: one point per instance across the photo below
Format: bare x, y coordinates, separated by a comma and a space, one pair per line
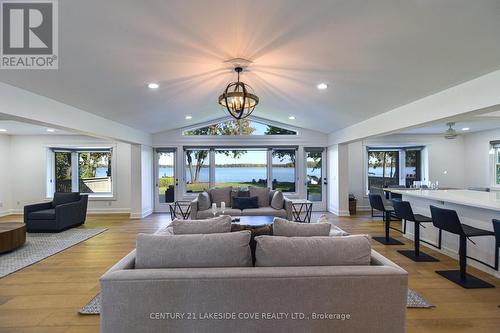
414, 300
39, 246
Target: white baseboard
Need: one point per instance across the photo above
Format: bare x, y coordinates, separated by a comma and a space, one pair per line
363, 208
142, 214
5, 212
339, 212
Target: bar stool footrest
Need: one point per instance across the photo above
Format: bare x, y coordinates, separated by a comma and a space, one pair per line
390, 241
470, 281
422, 257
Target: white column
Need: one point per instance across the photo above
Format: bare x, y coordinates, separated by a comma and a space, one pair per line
141, 178
338, 180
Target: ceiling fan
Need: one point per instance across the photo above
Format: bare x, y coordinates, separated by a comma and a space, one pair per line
450, 133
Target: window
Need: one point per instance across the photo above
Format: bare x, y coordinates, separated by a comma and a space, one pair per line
314, 161
197, 170
62, 171
383, 168
394, 166
240, 168
412, 166
82, 170
283, 170
241, 127
497, 167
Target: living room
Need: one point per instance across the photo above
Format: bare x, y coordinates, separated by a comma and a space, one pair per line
176, 166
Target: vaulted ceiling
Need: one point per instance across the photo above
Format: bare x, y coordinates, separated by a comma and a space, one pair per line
374, 55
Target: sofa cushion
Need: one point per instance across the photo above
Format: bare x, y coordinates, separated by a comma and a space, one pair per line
204, 201
206, 214
45, 214
244, 203
64, 198
282, 227
264, 211
222, 194
277, 251
262, 193
334, 231
214, 225
278, 200
239, 193
189, 251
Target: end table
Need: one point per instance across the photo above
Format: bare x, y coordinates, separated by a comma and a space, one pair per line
302, 210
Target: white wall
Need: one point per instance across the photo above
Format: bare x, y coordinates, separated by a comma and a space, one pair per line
27, 171
142, 181
446, 162
338, 184
5, 193
477, 162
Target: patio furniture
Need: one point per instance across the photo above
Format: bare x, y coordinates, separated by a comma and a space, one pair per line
67, 210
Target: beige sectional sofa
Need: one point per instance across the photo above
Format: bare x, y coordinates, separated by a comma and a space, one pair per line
226, 194
298, 284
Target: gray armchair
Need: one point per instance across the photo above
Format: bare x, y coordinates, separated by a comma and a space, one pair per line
67, 210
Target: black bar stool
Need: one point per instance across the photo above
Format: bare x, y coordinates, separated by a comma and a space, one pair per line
496, 230
377, 203
403, 210
448, 220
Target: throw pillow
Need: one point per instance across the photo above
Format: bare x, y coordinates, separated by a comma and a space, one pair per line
204, 201
276, 251
189, 251
282, 227
262, 193
245, 203
222, 194
215, 225
278, 200
334, 231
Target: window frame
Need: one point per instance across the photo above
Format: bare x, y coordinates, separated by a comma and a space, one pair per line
401, 161
51, 168
494, 164
212, 166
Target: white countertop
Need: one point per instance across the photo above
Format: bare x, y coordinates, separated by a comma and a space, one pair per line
485, 200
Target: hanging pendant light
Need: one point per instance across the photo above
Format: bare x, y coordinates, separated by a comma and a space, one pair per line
238, 98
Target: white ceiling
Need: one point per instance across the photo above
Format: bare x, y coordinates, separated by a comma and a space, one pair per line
375, 56
19, 128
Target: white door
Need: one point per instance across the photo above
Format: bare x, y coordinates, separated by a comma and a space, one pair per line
316, 181
165, 180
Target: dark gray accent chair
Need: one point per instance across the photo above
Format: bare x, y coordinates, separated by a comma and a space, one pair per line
67, 210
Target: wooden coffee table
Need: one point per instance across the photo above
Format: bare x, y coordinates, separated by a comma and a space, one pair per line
12, 235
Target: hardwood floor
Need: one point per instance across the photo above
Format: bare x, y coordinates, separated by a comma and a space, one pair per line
46, 296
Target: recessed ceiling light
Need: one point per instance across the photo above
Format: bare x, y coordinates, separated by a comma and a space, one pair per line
153, 85
465, 129
291, 117
50, 130
189, 117
3, 130
322, 86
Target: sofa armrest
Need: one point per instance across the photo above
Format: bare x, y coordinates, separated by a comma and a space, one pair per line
194, 209
127, 262
35, 207
288, 207
72, 211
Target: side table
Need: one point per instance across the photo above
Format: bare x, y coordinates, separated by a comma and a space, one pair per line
180, 209
302, 210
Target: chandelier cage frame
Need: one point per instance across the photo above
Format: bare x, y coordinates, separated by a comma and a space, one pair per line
247, 101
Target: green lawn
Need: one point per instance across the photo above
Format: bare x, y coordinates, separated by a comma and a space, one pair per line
199, 187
